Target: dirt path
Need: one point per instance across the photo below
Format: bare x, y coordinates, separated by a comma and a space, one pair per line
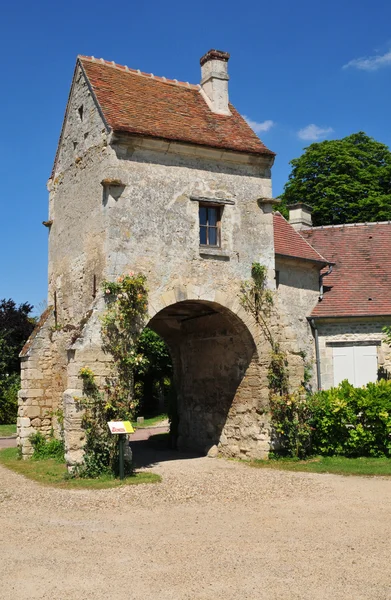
7, 442
213, 529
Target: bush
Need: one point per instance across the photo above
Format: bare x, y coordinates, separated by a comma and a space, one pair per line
43, 448
352, 421
345, 421
291, 419
9, 388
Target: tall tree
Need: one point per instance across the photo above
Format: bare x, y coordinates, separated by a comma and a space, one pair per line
344, 181
15, 327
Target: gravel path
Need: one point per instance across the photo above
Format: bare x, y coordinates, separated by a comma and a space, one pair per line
213, 529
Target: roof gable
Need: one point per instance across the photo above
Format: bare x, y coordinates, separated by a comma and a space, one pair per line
78, 135
142, 104
360, 283
289, 243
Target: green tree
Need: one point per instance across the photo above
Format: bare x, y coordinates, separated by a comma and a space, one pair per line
153, 375
15, 327
344, 181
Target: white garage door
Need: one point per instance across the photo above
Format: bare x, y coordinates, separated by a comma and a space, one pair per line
357, 364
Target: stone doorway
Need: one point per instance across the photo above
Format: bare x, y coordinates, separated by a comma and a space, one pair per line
217, 377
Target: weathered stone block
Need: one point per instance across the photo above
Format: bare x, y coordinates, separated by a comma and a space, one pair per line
25, 432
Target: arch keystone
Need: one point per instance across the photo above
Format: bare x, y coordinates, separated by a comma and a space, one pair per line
180, 293
168, 298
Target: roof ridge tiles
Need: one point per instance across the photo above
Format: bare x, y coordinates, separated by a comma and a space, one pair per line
127, 69
342, 225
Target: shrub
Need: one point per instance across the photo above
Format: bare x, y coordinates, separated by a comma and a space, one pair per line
353, 421
291, 419
43, 448
9, 388
345, 421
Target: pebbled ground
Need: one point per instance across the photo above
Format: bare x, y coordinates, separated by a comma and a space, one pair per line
212, 529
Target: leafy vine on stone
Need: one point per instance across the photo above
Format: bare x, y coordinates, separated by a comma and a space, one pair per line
257, 299
122, 324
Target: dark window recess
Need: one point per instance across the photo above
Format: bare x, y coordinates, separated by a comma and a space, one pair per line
210, 225
80, 110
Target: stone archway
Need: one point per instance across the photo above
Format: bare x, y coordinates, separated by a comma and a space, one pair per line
220, 383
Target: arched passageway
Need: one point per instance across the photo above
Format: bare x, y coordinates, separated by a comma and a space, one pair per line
217, 378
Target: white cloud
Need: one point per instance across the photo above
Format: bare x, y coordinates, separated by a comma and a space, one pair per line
259, 127
313, 133
370, 63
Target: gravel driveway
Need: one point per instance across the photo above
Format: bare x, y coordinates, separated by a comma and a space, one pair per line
213, 529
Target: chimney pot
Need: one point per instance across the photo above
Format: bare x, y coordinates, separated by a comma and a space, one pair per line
214, 55
300, 216
214, 81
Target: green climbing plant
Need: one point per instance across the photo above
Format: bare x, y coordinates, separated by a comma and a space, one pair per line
258, 300
122, 323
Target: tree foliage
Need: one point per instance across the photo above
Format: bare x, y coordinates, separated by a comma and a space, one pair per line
153, 376
15, 327
344, 181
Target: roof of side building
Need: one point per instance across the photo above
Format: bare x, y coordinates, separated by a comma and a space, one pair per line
143, 104
289, 243
360, 283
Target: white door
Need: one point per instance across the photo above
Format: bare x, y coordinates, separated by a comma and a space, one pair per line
357, 364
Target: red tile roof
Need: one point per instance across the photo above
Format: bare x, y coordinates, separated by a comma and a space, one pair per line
141, 103
288, 242
361, 279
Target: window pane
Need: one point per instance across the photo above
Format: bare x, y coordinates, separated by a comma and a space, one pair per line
213, 236
203, 214
212, 216
202, 235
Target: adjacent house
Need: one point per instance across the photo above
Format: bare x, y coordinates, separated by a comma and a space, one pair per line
354, 301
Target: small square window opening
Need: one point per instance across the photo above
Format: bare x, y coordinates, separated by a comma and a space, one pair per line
210, 225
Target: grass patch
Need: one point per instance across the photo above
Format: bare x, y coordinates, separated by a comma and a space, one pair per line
150, 422
7, 430
338, 465
51, 472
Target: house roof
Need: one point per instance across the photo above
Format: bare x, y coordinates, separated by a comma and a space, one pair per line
289, 243
360, 283
141, 103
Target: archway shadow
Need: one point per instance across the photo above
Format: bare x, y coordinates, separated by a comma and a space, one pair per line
212, 351
147, 453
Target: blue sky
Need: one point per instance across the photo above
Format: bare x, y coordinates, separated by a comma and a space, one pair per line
300, 71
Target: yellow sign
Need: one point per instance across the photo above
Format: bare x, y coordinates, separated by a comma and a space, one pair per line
120, 427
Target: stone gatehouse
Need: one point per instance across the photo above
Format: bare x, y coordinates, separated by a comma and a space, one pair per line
167, 179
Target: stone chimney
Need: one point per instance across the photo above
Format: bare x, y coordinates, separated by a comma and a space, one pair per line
214, 81
300, 216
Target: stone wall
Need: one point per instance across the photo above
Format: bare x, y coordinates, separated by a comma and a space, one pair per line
298, 294
35, 410
350, 330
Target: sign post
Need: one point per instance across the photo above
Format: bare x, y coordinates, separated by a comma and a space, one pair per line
121, 442
121, 428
